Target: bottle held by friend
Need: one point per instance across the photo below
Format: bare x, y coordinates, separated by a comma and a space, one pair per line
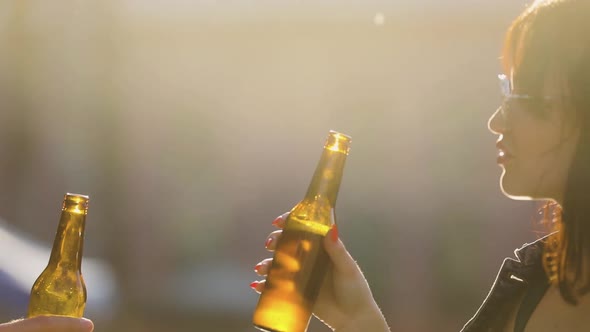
60, 289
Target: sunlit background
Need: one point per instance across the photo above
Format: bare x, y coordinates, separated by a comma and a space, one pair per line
193, 124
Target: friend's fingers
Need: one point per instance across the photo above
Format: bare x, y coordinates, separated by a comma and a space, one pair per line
258, 286
271, 240
48, 324
262, 268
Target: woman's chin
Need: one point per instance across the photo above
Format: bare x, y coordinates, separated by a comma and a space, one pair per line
518, 196
518, 191
514, 189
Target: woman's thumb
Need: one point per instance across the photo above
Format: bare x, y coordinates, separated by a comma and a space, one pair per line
343, 262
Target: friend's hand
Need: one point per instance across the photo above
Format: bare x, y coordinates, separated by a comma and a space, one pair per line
345, 302
48, 324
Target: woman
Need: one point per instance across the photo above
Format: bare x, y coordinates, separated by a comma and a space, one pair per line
48, 324
544, 151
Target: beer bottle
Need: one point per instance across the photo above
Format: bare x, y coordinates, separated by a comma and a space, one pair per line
60, 289
300, 261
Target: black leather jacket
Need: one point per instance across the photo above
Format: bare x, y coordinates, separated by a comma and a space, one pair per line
517, 280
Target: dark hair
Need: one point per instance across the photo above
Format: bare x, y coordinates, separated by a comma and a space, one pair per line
553, 36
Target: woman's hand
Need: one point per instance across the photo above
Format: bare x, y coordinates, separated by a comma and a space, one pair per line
345, 302
48, 324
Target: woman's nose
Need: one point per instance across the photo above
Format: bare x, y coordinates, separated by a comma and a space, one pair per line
496, 123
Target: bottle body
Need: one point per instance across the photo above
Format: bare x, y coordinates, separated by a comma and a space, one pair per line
60, 289
299, 267
300, 261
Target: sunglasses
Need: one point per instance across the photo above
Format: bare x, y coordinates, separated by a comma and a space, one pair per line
510, 98
506, 90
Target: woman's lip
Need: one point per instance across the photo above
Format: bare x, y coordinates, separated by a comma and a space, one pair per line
503, 157
503, 154
500, 146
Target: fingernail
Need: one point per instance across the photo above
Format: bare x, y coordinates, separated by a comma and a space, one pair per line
254, 284
257, 268
334, 233
277, 221
268, 242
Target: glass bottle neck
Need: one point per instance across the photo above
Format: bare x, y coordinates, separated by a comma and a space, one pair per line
69, 240
326, 180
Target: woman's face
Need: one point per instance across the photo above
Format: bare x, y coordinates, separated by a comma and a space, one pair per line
536, 143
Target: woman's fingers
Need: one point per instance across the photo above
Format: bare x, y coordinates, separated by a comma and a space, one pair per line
270, 244
271, 241
280, 220
262, 268
258, 286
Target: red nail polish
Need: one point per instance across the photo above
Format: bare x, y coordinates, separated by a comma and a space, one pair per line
334, 233
254, 284
268, 242
257, 268
277, 221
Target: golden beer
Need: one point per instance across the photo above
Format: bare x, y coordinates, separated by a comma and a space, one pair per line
300, 261
60, 289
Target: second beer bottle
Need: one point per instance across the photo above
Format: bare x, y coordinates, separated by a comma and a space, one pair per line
60, 289
300, 261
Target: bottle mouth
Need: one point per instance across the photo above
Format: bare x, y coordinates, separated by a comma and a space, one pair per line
75, 203
338, 142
